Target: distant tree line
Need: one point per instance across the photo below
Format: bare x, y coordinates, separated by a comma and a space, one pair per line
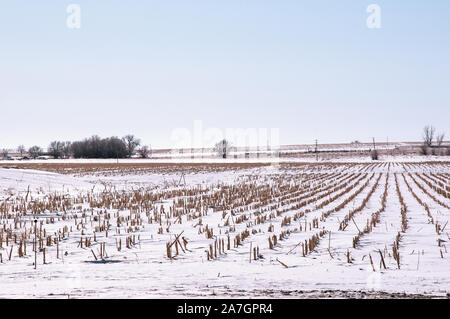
97, 147
33, 152
92, 147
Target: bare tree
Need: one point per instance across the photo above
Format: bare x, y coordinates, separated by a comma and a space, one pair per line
66, 149
424, 149
223, 148
144, 151
55, 149
35, 151
21, 150
374, 155
5, 153
132, 143
428, 135
440, 139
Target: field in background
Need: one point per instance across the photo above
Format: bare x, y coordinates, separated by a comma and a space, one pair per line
135, 167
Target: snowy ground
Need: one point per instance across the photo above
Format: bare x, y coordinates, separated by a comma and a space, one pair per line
292, 202
253, 159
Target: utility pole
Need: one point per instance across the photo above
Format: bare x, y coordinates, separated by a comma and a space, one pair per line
387, 146
317, 153
373, 138
182, 178
35, 243
224, 151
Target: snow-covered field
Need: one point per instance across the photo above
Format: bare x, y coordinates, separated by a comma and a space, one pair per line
244, 231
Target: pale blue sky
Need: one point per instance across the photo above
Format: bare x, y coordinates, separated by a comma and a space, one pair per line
310, 68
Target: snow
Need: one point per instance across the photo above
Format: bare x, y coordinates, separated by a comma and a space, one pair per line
144, 270
18, 180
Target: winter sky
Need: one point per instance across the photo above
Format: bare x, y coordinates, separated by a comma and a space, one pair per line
312, 69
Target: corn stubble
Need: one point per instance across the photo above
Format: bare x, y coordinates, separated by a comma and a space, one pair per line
258, 215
